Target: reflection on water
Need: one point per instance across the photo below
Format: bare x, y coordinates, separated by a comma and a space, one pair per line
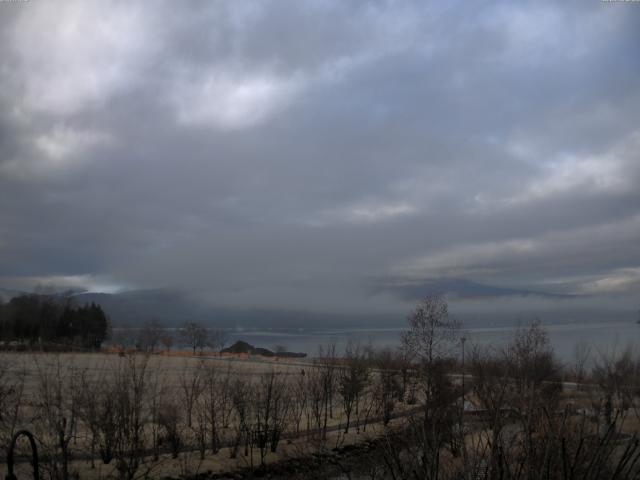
602, 337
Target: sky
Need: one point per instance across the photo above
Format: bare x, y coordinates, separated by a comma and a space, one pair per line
322, 155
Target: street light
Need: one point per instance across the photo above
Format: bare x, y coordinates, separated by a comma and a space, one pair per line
460, 423
463, 339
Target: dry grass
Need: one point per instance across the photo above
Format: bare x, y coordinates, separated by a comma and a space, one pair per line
171, 370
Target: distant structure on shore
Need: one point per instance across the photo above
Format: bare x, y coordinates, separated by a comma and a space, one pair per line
244, 347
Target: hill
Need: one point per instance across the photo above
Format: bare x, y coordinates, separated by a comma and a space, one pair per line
244, 347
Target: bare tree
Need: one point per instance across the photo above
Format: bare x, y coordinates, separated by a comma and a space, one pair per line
214, 406
166, 340
430, 339
353, 377
271, 407
12, 389
171, 424
432, 332
240, 392
97, 410
531, 357
57, 406
211, 404
300, 400
316, 380
200, 427
534, 375
579, 363
617, 373
150, 335
327, 359
216, 339
321, 383
225, 404
492, 387
123, 338
190, 388
404, 363
129, 395
279, 349
194, 335
386, 385
517, 389
156, 393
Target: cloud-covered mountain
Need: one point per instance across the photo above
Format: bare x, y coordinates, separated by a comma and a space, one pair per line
8, 294
468, 302
173, 307
461, 288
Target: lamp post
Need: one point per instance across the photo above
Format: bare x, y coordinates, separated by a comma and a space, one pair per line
460, 424
462, 341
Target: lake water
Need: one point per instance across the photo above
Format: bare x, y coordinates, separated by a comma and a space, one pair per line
602, 337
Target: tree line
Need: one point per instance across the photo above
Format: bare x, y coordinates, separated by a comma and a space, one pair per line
52, 321
154, 336
496, 412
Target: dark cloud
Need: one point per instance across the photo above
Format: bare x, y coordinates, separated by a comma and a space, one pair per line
293, 154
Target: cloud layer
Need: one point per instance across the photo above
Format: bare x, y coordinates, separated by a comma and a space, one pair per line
303, 154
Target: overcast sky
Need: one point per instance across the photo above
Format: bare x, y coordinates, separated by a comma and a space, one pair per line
321, 155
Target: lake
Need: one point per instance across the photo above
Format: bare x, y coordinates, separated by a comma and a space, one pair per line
602, 337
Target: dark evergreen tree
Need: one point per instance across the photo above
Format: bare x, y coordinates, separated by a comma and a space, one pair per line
48, 319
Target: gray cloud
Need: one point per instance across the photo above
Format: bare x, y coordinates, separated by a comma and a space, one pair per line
293, 154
